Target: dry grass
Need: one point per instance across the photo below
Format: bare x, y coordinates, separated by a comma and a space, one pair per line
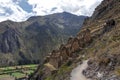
51, 67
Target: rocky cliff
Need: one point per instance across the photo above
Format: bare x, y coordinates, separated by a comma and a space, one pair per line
98, 41
29, 41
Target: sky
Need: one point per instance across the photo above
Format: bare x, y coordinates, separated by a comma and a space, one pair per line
20, 10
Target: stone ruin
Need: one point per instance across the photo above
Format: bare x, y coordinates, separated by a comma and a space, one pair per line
67, 51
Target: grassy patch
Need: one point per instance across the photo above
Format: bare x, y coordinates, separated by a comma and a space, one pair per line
17, 71
18, 75
4, 76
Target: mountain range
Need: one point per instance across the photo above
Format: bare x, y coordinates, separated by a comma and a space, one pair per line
29, 41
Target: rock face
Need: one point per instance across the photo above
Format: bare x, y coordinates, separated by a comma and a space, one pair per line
28, 42
103, 69
106, 10
9, 41
109, 25
98, 41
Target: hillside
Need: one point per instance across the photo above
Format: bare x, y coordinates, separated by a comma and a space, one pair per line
98, 42
29, 41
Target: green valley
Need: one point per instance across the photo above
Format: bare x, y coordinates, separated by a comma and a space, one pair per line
17, 71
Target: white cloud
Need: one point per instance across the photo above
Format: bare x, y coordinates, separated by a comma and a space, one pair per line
2, 11
10, 9
78, 7
43, 7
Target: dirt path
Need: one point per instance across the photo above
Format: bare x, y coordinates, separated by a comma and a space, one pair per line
76, 73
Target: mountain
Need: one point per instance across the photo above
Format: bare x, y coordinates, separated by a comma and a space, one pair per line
29, 41
98, 42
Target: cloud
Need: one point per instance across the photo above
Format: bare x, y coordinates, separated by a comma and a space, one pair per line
9, 10
78, 7
20, 10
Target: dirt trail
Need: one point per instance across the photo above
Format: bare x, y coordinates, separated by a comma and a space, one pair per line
77, 74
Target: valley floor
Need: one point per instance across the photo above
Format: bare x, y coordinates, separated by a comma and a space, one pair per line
8, 78
16, 72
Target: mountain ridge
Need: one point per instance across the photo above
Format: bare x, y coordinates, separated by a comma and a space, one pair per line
25, 42
98, 41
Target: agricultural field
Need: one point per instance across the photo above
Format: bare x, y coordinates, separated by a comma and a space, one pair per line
16, 72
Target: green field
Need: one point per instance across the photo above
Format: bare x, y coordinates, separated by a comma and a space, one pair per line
17, 71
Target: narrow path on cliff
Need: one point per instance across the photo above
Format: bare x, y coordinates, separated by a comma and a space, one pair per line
77, 74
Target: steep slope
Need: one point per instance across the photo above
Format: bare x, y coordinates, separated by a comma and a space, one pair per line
98, 41
29, 41
105, 50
